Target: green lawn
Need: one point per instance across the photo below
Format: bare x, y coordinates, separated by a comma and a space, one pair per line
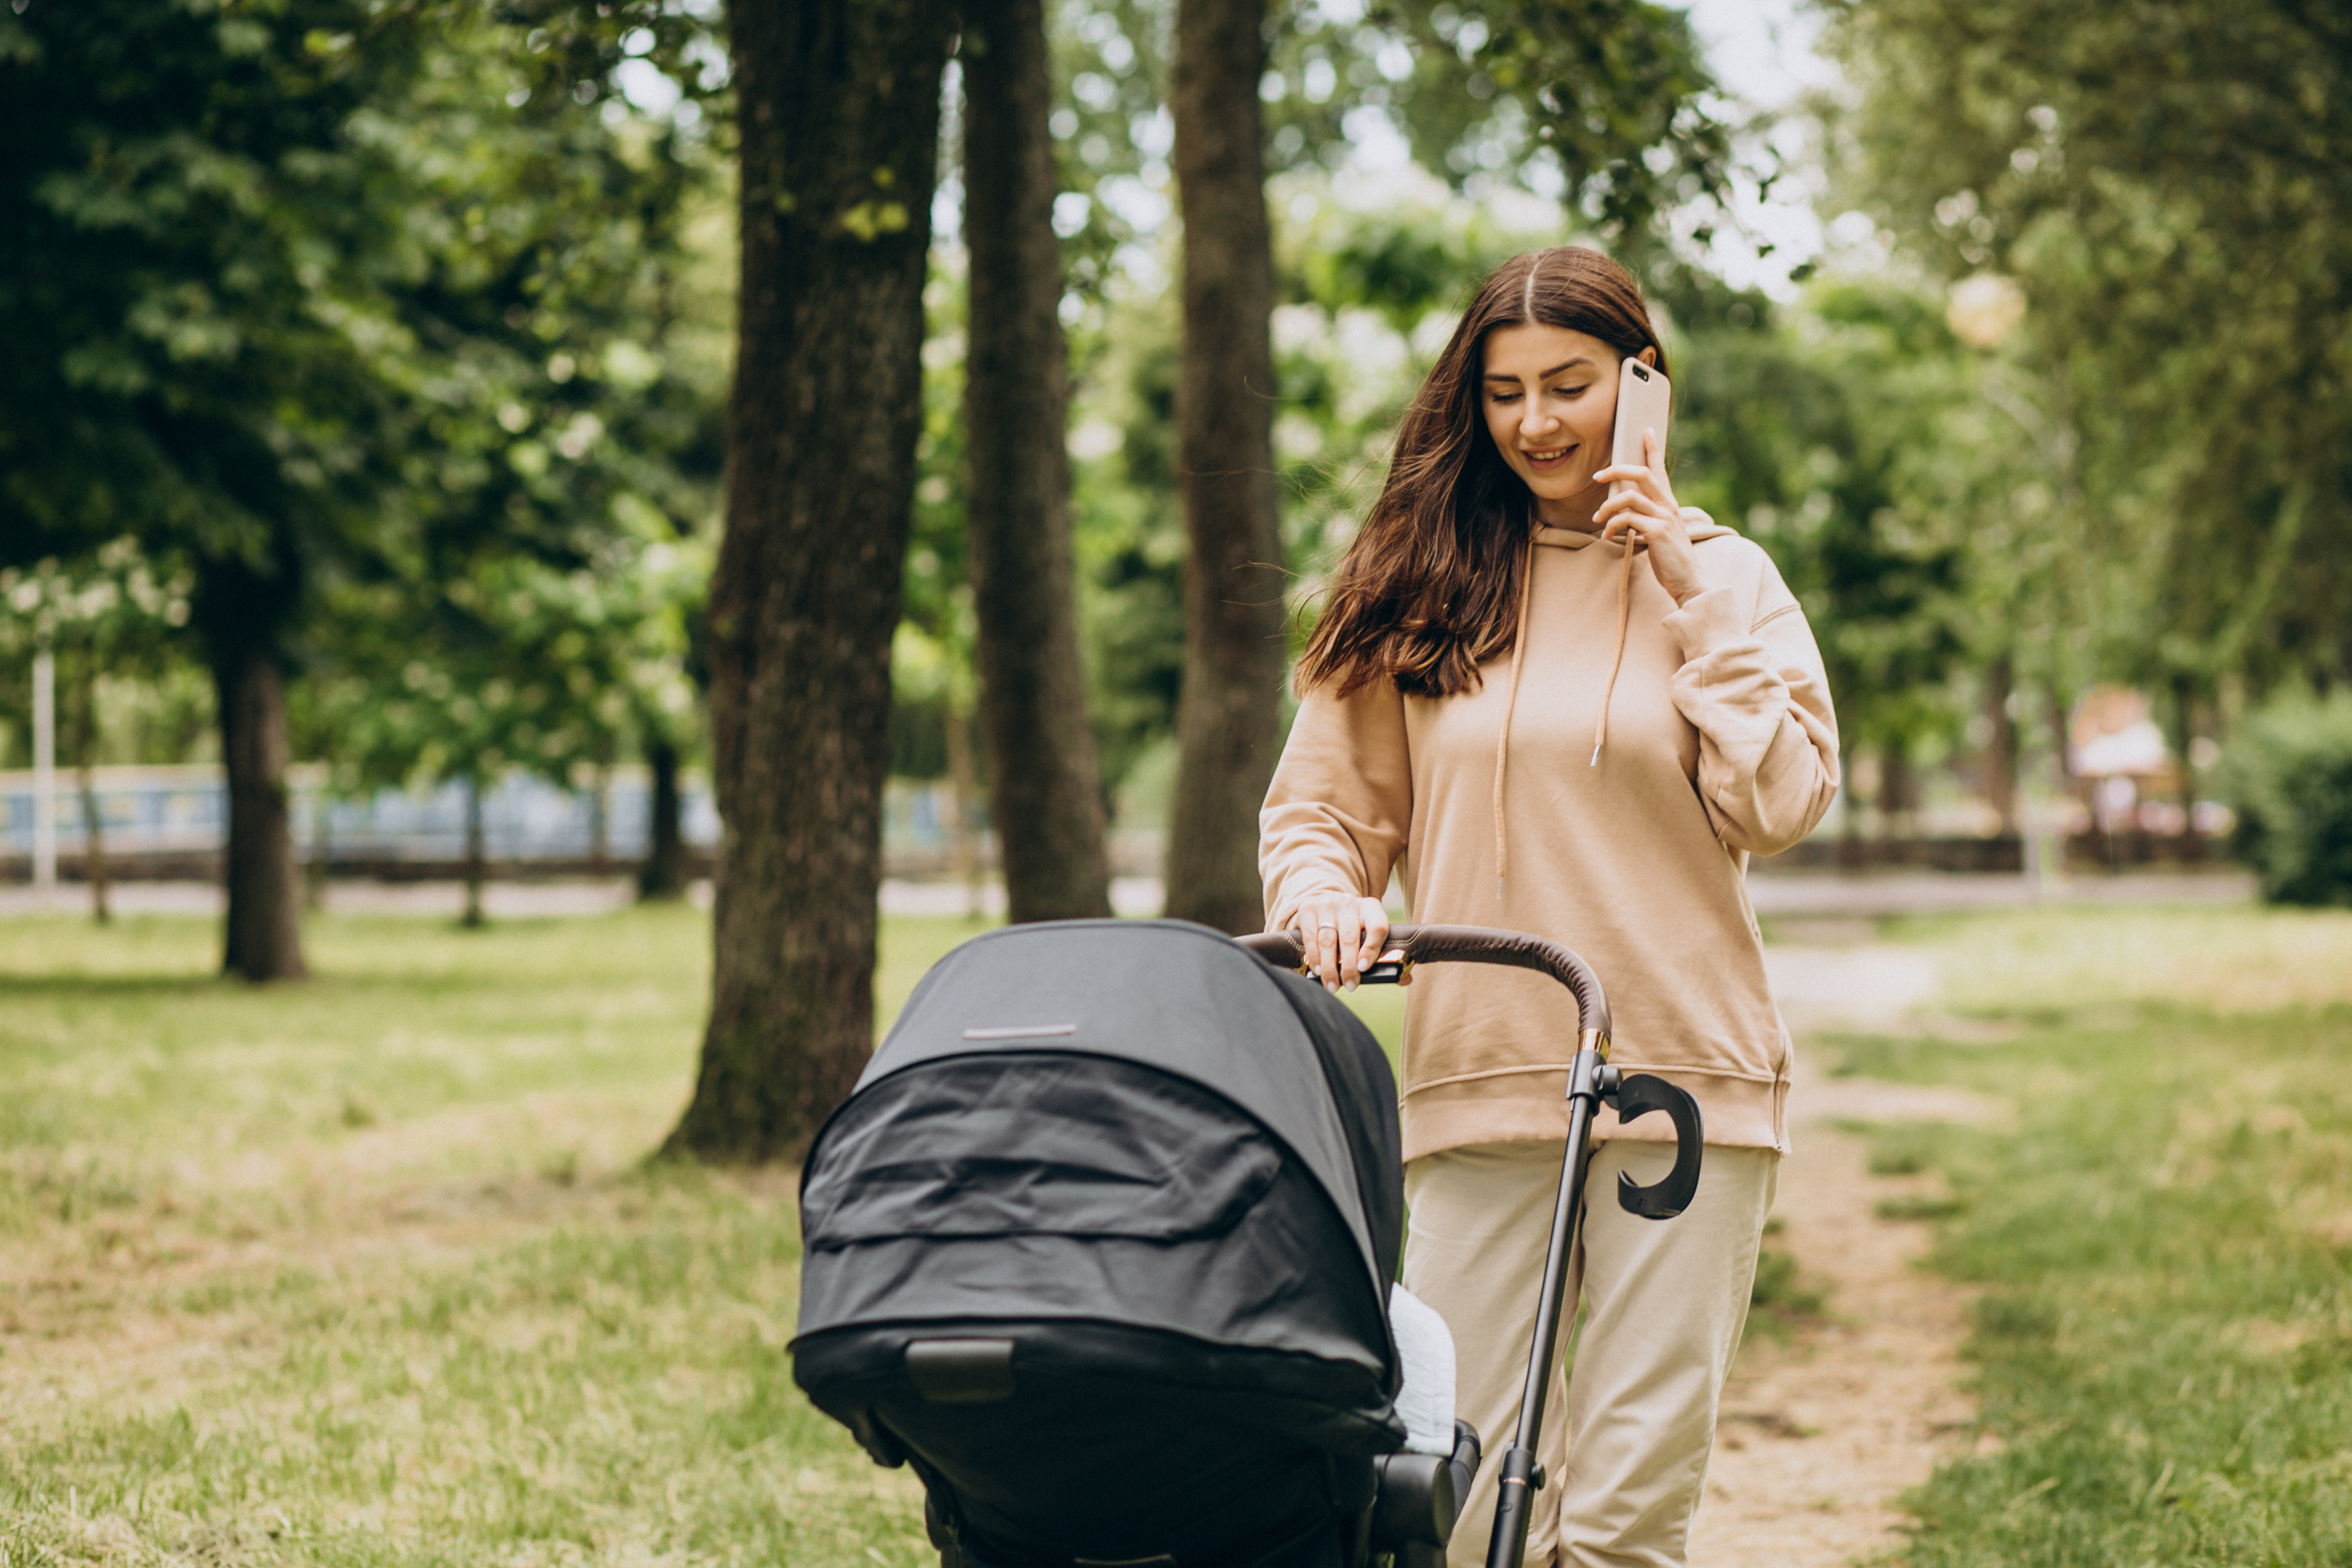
367, 1270
2163, 1237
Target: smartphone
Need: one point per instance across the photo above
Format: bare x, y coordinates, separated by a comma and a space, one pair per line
1644, 401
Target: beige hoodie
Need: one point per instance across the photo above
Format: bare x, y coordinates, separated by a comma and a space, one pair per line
1720, 743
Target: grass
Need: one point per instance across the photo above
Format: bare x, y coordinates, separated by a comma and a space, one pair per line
1782, 1298
2164, 1238
369, 1270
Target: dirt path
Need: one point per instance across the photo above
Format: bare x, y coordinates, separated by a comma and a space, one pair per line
1819, 1436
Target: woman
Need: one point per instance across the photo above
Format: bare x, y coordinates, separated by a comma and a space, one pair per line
1547, 734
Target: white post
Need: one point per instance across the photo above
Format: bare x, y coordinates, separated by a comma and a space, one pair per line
44, 770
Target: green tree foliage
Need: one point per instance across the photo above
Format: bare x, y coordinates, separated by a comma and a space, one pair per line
520, 665
320, 296
1601, 104
934, 666
2290, 777
1819, 433
2170, 183
113, 621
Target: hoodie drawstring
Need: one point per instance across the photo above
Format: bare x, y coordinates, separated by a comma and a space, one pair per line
1511, 696
1511, 702
1617, 660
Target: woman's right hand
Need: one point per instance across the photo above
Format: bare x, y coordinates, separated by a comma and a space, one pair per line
1343, 937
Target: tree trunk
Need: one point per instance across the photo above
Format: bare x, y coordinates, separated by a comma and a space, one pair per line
963, 792
1851, 851
1229, 713
837, 113
323, 845
265, 882
2061, 706
2001, 743
477, 870
663, 876
1898, 791
1032, 700
598, 831
2183, 739
93, 825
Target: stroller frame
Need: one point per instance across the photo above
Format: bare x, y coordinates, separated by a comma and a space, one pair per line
1592, 1082
893, 1349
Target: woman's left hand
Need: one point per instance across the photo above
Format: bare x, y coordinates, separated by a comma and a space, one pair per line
1646, 512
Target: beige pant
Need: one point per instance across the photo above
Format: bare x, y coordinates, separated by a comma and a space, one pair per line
1625, 1450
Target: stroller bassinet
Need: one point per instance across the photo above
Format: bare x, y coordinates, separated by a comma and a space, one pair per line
1101, 1246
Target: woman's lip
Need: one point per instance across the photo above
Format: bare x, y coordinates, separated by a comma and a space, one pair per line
1545, 465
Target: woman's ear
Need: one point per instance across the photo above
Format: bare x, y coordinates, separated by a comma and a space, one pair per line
1649, 356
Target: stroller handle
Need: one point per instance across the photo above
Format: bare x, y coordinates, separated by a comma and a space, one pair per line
1465, 945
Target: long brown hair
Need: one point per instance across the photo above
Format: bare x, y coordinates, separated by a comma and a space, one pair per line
1430, 588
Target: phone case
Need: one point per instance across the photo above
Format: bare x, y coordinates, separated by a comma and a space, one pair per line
1644, 402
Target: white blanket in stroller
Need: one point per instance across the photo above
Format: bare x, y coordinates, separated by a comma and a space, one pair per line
1425, 1352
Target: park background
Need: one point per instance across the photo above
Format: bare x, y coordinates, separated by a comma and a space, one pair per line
399, 576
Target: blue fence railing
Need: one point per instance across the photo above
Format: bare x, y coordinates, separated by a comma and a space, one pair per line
168, 810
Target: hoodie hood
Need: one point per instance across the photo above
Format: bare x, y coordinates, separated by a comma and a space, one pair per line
1701, 527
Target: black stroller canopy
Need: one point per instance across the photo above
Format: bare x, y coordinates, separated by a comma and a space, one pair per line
1182, 1000
1101, 1245
1105, 1231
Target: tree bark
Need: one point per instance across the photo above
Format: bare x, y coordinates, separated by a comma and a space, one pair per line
2182, 738
599, 830
963, 793
1032, 698
1850, 852
2001, 743
1898, 791
264, 881
323, 845
838, 106
93, 824
663, 876
476, 859
1229, 715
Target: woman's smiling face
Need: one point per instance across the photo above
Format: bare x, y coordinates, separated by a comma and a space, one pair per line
1550, 397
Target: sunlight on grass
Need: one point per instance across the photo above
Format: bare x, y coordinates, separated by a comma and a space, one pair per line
371, 1269
2165, 1237
366, 1269
2227, 960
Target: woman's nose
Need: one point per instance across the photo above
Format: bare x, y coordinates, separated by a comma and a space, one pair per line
1535, 422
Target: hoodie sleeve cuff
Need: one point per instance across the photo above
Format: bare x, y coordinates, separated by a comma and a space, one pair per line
1707, 622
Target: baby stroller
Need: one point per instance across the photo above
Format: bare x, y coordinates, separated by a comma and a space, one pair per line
1101, 1246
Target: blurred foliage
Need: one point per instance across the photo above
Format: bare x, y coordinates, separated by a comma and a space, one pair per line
1129, 532
371, 320
1606, 105
2290, 778
2167, 184
124, 689
934, 669
400, 331
520, 664
1817, 431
